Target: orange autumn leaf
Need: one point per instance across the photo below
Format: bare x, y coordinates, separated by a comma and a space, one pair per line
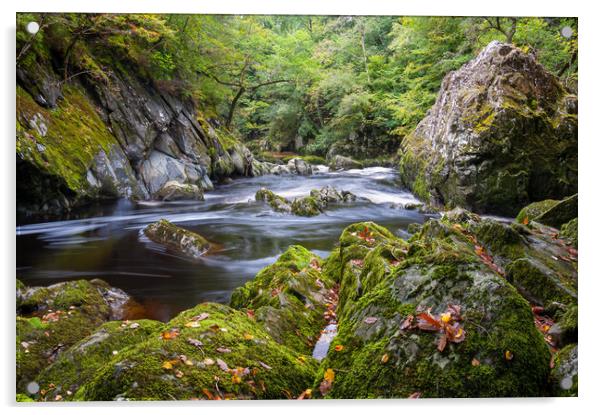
526, 220
167, 365
508, 355
248, 336
170, 334
475, 362
339, 347
329, 375
236, 379
385, 358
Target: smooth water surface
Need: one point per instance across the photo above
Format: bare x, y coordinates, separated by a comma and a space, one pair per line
107, 242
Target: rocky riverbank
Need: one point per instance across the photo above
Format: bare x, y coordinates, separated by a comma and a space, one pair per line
466, 307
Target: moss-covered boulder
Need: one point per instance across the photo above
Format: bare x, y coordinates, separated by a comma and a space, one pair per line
330, 195
210, 351
534, 210
289, 298
306, 206
57, 317
277, 203
177, 239
384, 354
564, 375
80, 362
494, 137
562, 212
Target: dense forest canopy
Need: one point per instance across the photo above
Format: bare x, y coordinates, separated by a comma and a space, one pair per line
304, 83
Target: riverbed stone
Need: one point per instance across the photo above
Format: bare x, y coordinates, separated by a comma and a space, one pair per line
174, 190
278, 203
306, 206
177, 239
339, 162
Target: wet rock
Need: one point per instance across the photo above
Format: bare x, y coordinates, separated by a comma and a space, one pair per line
278, 203
534, 210
459, 215
177, 239
179, 191
330, 195
383, 280
306, 206
492, 140
339, 162
299, 166
211, 348
565, 331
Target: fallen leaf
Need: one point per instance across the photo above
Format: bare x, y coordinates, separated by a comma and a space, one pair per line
251, 314
508, 355
208, 361
263, 365
170, 334
385, 358
193, 324
236, 379
248, 336
223, 350
370, 320
329, 375
167, 365
526, 220
195, 342
179, 373
415, 395
475, 362
305, 395
339, 347
407, 323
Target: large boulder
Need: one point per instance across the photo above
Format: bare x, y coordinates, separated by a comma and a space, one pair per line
385, 347
210, 351
502, 133
299, 166
177, 239
276, 202
51, 319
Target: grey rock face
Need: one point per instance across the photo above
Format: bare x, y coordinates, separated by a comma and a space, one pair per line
502, 133
178, 191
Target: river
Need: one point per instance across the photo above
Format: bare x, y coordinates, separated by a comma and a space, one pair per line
106, 241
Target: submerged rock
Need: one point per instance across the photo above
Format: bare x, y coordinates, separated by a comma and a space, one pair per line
328, 195
306, 206
311, 205
177, 239
173, 190
502, 132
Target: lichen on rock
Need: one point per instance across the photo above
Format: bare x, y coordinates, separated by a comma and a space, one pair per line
493, 139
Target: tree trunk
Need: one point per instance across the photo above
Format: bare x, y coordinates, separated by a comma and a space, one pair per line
233, 106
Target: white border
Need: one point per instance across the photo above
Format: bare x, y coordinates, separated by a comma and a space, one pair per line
590, 96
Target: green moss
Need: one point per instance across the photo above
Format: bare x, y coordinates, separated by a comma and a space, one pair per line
179, 239
535, 209
569, 232
288, 298
535, 284
138, 373
80, 363
502, 240
75, 135
306, 206
23, 398
278, 203
560, 213
564, 376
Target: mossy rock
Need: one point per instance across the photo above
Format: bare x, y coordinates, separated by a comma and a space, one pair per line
63, 314
534, 210
437, 268
177, 239
80, 362
564, 375
306, 206
561, 213
218, 351
288, 298
277, 203
569, 232
565, 331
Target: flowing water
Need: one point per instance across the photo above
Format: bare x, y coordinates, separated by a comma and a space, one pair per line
107, 241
